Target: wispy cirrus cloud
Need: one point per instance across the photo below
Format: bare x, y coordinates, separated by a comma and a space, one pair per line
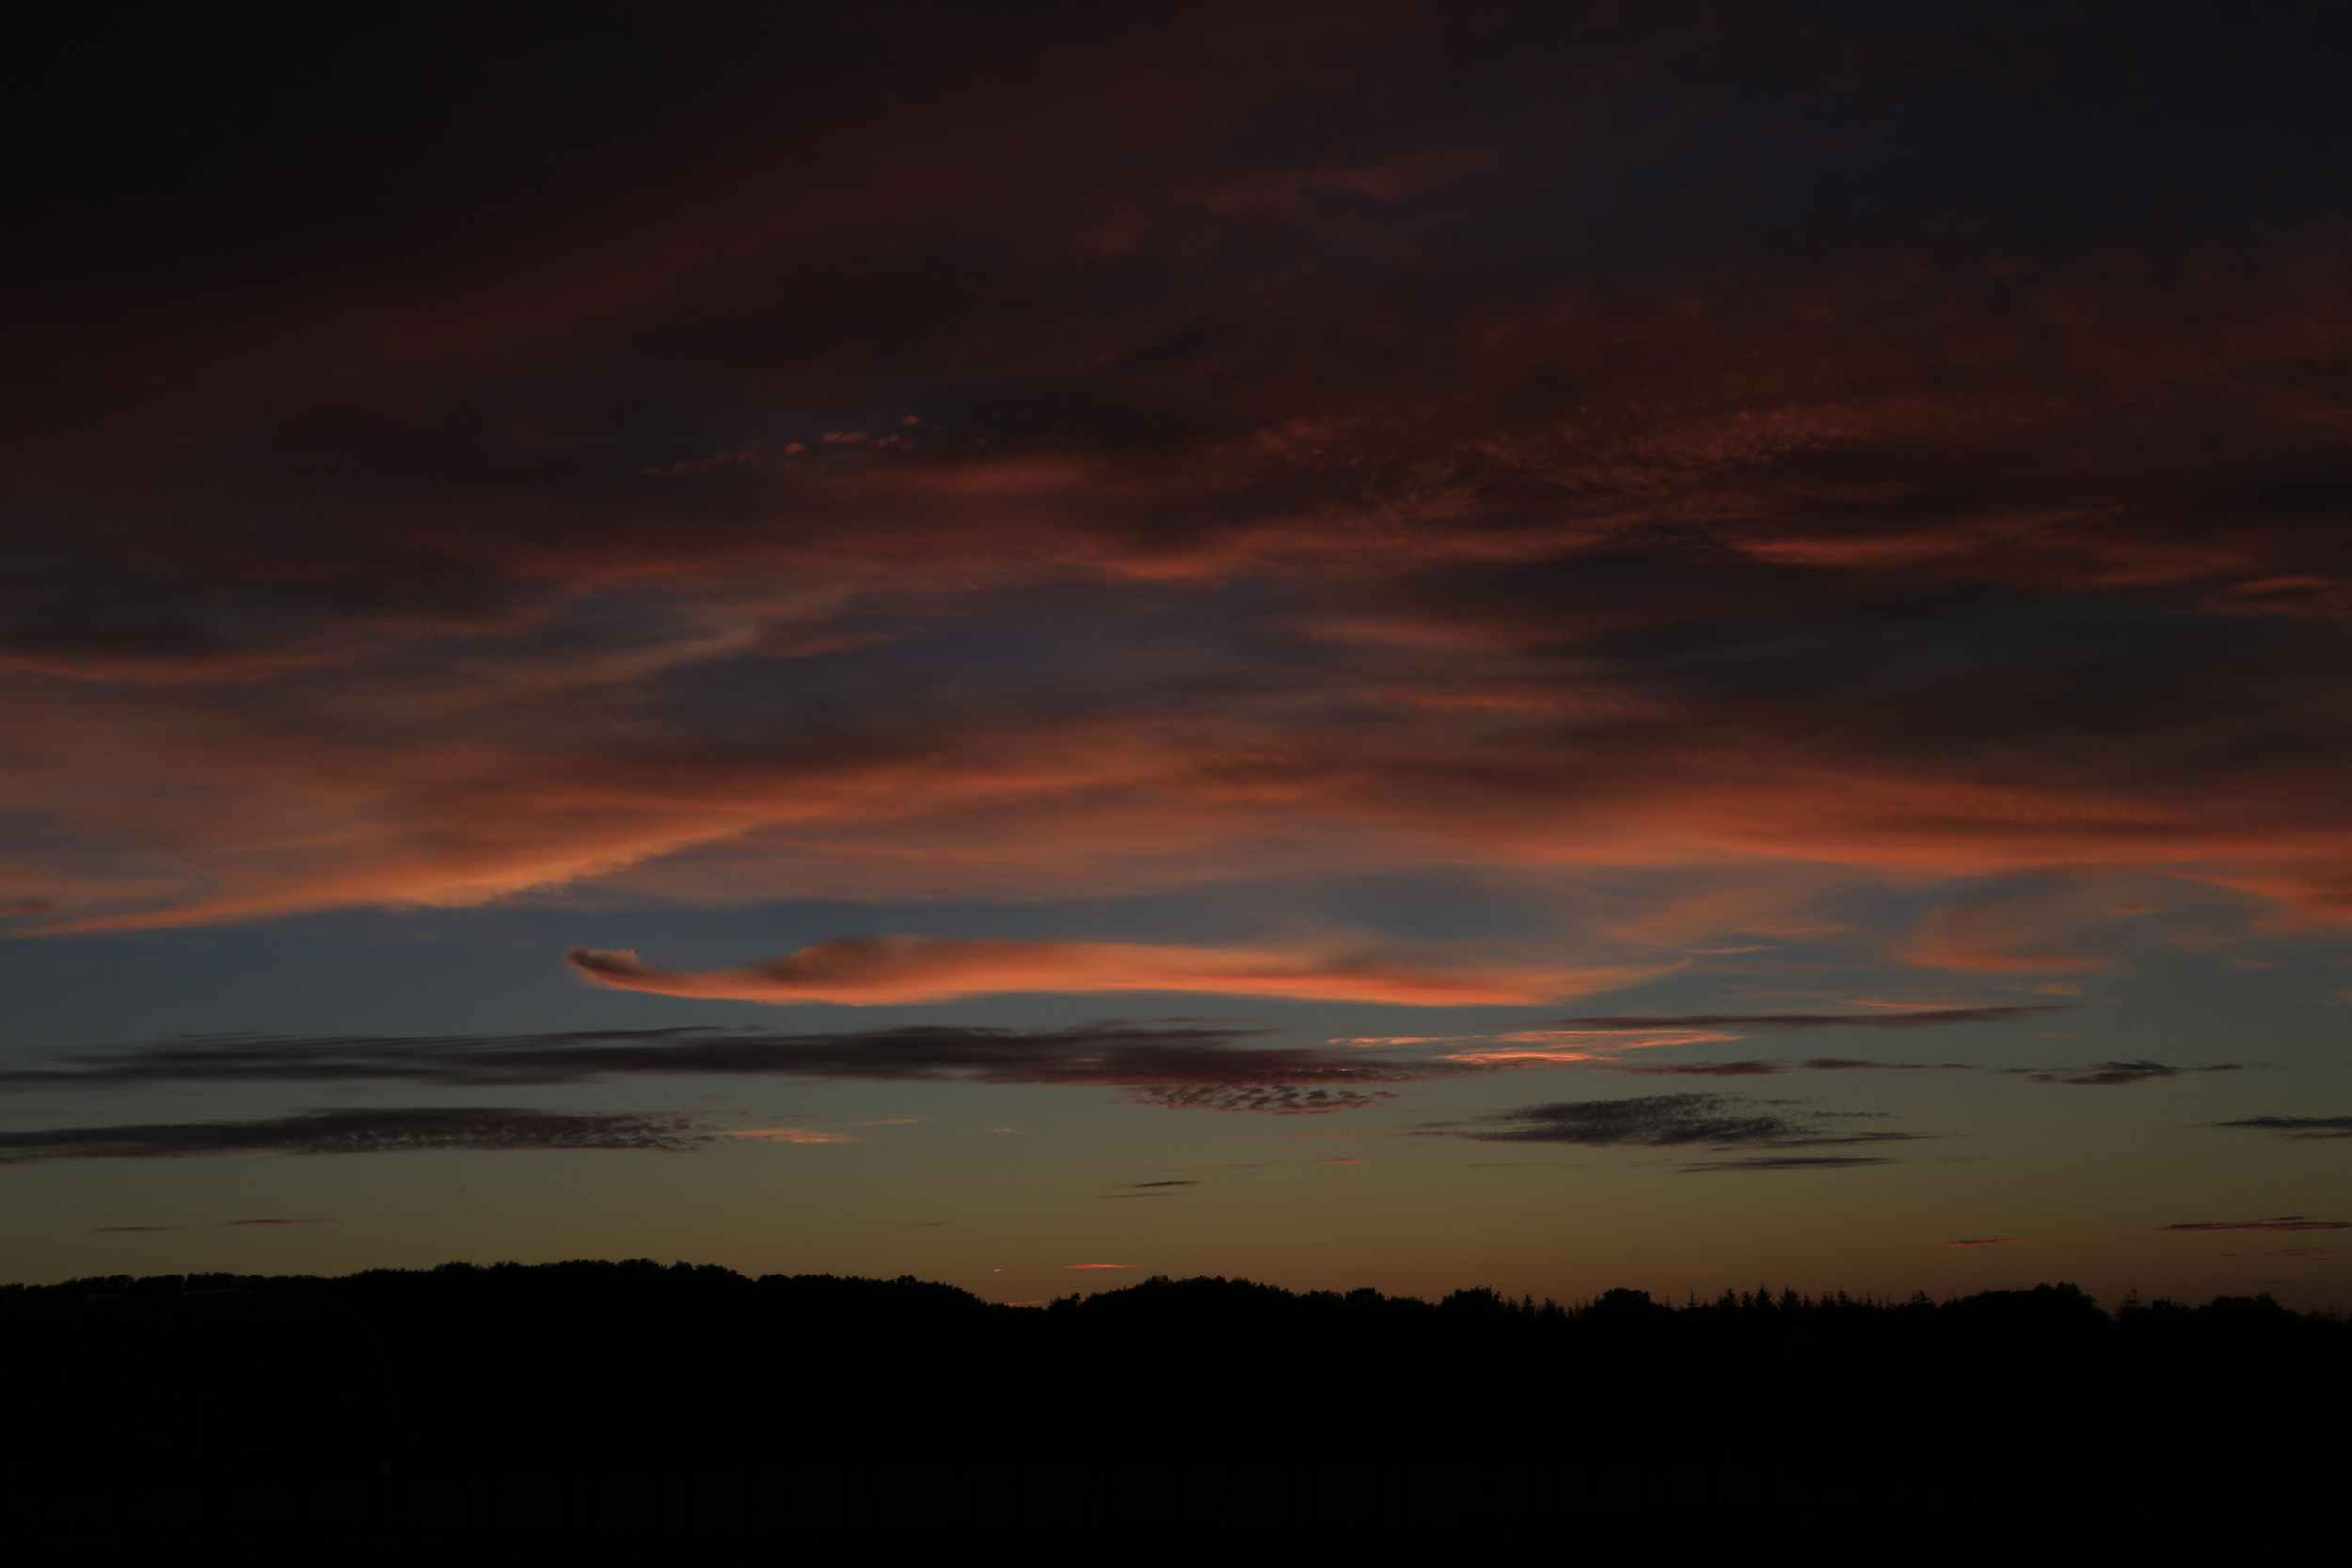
1900, 1018
1770, 1069
207, 1225
1150, 1189
2285, 1221
1676, 540
1178, 1065
2107, 1074
2292, 1126
1604, 1043
1105, 1053
418, 1130
790, 1135
1790, 1162
1673, 1120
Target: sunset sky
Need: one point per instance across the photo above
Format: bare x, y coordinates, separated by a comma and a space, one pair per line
1552, 646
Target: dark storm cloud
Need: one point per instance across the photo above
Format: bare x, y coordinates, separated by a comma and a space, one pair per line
2295, 1126
2107, 1073
1180, 1065
376, 1132
1667, 1120
2285, 1221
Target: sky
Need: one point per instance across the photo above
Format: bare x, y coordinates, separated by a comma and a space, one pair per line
1555, 646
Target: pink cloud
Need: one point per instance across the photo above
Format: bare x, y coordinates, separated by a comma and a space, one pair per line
866, 970
1534, 1047
1442, 547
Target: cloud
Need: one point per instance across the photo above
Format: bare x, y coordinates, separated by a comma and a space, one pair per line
1768, 1069
1099, 1265
1569, 1047
2295, 1126
482, 535
788, 1134
217, 1225
2100, 1073
1276, 1099
375, 1132
2287, 1222
1150, 1189
1788, 1162
1668, 1120
1178, 1064
1598, 1042
1697, 1069
869, 970
1913, 1019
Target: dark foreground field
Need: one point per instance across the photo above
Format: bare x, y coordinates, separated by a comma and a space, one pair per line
585, 1404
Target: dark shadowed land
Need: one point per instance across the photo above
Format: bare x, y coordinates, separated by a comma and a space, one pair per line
591, 1400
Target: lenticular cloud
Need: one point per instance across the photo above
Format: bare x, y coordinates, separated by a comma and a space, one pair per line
864, 970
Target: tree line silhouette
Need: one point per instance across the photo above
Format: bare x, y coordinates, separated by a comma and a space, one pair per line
559, 1390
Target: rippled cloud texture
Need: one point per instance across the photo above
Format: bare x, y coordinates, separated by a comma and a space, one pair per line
947, 454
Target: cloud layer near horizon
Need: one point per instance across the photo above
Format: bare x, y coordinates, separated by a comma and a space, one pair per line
1180, 1064
1551, 443
389, 1130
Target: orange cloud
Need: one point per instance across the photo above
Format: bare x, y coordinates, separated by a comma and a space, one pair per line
1535, 1046
1785, 566
789, 1135
872, 970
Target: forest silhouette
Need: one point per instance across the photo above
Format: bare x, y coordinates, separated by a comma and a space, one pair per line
588, 1395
